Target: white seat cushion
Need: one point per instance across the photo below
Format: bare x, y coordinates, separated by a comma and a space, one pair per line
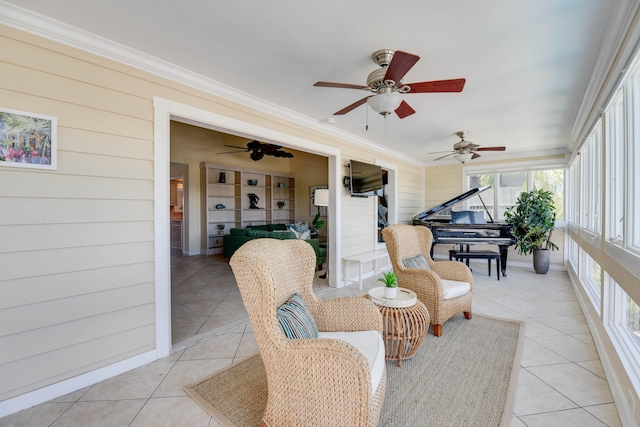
370, 344
453, 288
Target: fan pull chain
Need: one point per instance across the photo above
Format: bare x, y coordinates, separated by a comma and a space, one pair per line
366, 113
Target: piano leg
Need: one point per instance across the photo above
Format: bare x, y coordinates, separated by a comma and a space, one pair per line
504, 251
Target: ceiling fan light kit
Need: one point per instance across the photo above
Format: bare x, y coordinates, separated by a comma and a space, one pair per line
385, 103
463, 158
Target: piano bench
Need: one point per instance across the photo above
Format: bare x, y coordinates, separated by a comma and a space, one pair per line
488, 255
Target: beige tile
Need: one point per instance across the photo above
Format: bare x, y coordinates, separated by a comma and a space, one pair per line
535, 396
570, 417
535, 354
171, 412
222, 346
537, 329
73, 396
593, 366
574, 324
40, 415
173, 357
187, 372
100, 414
248, 345
585, 338
515, 422
606, 413
219, 320
568, 347
138, 383
575, 382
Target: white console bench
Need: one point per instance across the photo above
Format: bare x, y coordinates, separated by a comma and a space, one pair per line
362, 258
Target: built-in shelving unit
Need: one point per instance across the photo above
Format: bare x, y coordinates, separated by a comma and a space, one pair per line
225, 201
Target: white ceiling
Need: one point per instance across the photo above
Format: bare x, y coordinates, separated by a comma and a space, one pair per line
527, 63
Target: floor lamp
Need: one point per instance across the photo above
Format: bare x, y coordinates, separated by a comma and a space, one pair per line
321, 198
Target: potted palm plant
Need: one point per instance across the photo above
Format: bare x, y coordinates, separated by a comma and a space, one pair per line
390, 281
533, 218
316, 225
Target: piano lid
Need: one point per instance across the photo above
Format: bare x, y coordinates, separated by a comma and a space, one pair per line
462, 197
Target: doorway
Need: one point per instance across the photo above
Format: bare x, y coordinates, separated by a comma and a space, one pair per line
166, 110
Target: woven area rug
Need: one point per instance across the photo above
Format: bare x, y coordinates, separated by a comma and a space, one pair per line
466, 377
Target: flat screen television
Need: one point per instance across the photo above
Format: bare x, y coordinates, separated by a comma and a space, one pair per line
366, 179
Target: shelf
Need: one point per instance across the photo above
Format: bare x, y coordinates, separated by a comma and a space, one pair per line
233, 194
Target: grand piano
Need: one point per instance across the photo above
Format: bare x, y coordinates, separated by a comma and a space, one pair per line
466, 228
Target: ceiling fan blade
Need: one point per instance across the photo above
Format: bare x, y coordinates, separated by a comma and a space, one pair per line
235, 146
341, 85
471, 146
280, 153
475, 156
454, 85
440, 152
230, 152
404, 110
450, 154
491, 149
400, 64
353, 106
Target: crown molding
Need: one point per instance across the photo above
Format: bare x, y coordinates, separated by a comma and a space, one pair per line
616, 49
48, 28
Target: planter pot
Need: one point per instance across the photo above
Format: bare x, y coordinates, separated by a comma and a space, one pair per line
390, 293
541, 260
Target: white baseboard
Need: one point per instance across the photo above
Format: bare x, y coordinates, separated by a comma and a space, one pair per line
44, 394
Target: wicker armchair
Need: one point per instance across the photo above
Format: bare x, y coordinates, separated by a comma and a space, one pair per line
405, 241
311, 382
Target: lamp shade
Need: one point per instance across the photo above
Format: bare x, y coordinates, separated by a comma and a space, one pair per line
385, 103
321, 197
463, 158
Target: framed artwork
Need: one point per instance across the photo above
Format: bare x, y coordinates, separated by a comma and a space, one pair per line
27, 140
313, 209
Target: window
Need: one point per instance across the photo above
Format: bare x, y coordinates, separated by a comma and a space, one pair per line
623, 319
590, 181
573, 252
614, 116
487, 196
573, 204
590, 278
633, 173
506, 187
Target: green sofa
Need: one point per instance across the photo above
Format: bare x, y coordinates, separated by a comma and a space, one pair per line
238, 237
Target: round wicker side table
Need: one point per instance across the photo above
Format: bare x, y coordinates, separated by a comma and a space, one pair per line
403, 328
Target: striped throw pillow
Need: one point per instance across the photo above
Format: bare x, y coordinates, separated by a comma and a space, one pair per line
295, 319
417, 261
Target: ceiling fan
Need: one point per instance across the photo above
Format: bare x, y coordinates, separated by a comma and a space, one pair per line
464, 150
259, 150
387, 86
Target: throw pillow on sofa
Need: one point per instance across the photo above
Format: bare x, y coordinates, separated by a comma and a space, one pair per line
301, 230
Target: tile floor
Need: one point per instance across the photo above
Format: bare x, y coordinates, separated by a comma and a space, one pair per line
561, 381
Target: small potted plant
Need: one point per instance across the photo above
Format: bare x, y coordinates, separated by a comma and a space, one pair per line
533, 218
390, 281
280, 204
